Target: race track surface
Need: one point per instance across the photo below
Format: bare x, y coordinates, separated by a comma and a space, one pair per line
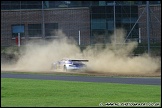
83, 78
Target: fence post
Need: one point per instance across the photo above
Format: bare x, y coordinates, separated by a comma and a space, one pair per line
19, 39
79, 37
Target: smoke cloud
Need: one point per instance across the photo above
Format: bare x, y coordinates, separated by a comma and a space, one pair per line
115, 57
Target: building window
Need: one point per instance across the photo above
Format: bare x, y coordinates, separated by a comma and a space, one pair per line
51, 29
34, 30
18, 29
98, 24
31, 4
7, 5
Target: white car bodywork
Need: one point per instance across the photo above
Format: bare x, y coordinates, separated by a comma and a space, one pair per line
69, 64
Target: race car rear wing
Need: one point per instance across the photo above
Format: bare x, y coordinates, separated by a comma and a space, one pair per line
81, 60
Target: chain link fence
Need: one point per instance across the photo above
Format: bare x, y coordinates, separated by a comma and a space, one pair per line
7, 39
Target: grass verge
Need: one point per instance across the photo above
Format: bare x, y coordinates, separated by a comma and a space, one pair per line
40, 93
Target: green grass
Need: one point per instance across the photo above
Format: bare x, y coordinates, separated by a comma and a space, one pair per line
39, 93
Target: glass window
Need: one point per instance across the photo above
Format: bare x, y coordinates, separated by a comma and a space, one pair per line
98, 24
34, 30
15, 2
110, 16
94, 3
110, 25
7, 5
126, 9
102, 3
109, 9
134, 15
31, 4
18, 29
109, 3
134, 9
118, 16
118, 9
98, 9
52, 4
85, 3
45, 4
5, 2
98, 16
51, 29
24, 5
15, 5
75, 3
56, 4
126, 15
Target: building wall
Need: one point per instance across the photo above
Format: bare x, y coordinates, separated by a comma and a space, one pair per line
70, 21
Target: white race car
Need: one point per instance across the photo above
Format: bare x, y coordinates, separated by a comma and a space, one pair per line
69, 64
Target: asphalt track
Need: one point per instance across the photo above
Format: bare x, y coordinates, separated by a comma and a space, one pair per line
98, 79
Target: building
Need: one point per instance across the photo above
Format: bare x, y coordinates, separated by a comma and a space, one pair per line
94, 20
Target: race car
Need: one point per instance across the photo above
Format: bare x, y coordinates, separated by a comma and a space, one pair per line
69, 64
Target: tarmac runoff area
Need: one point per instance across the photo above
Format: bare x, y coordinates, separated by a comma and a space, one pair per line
84, 77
